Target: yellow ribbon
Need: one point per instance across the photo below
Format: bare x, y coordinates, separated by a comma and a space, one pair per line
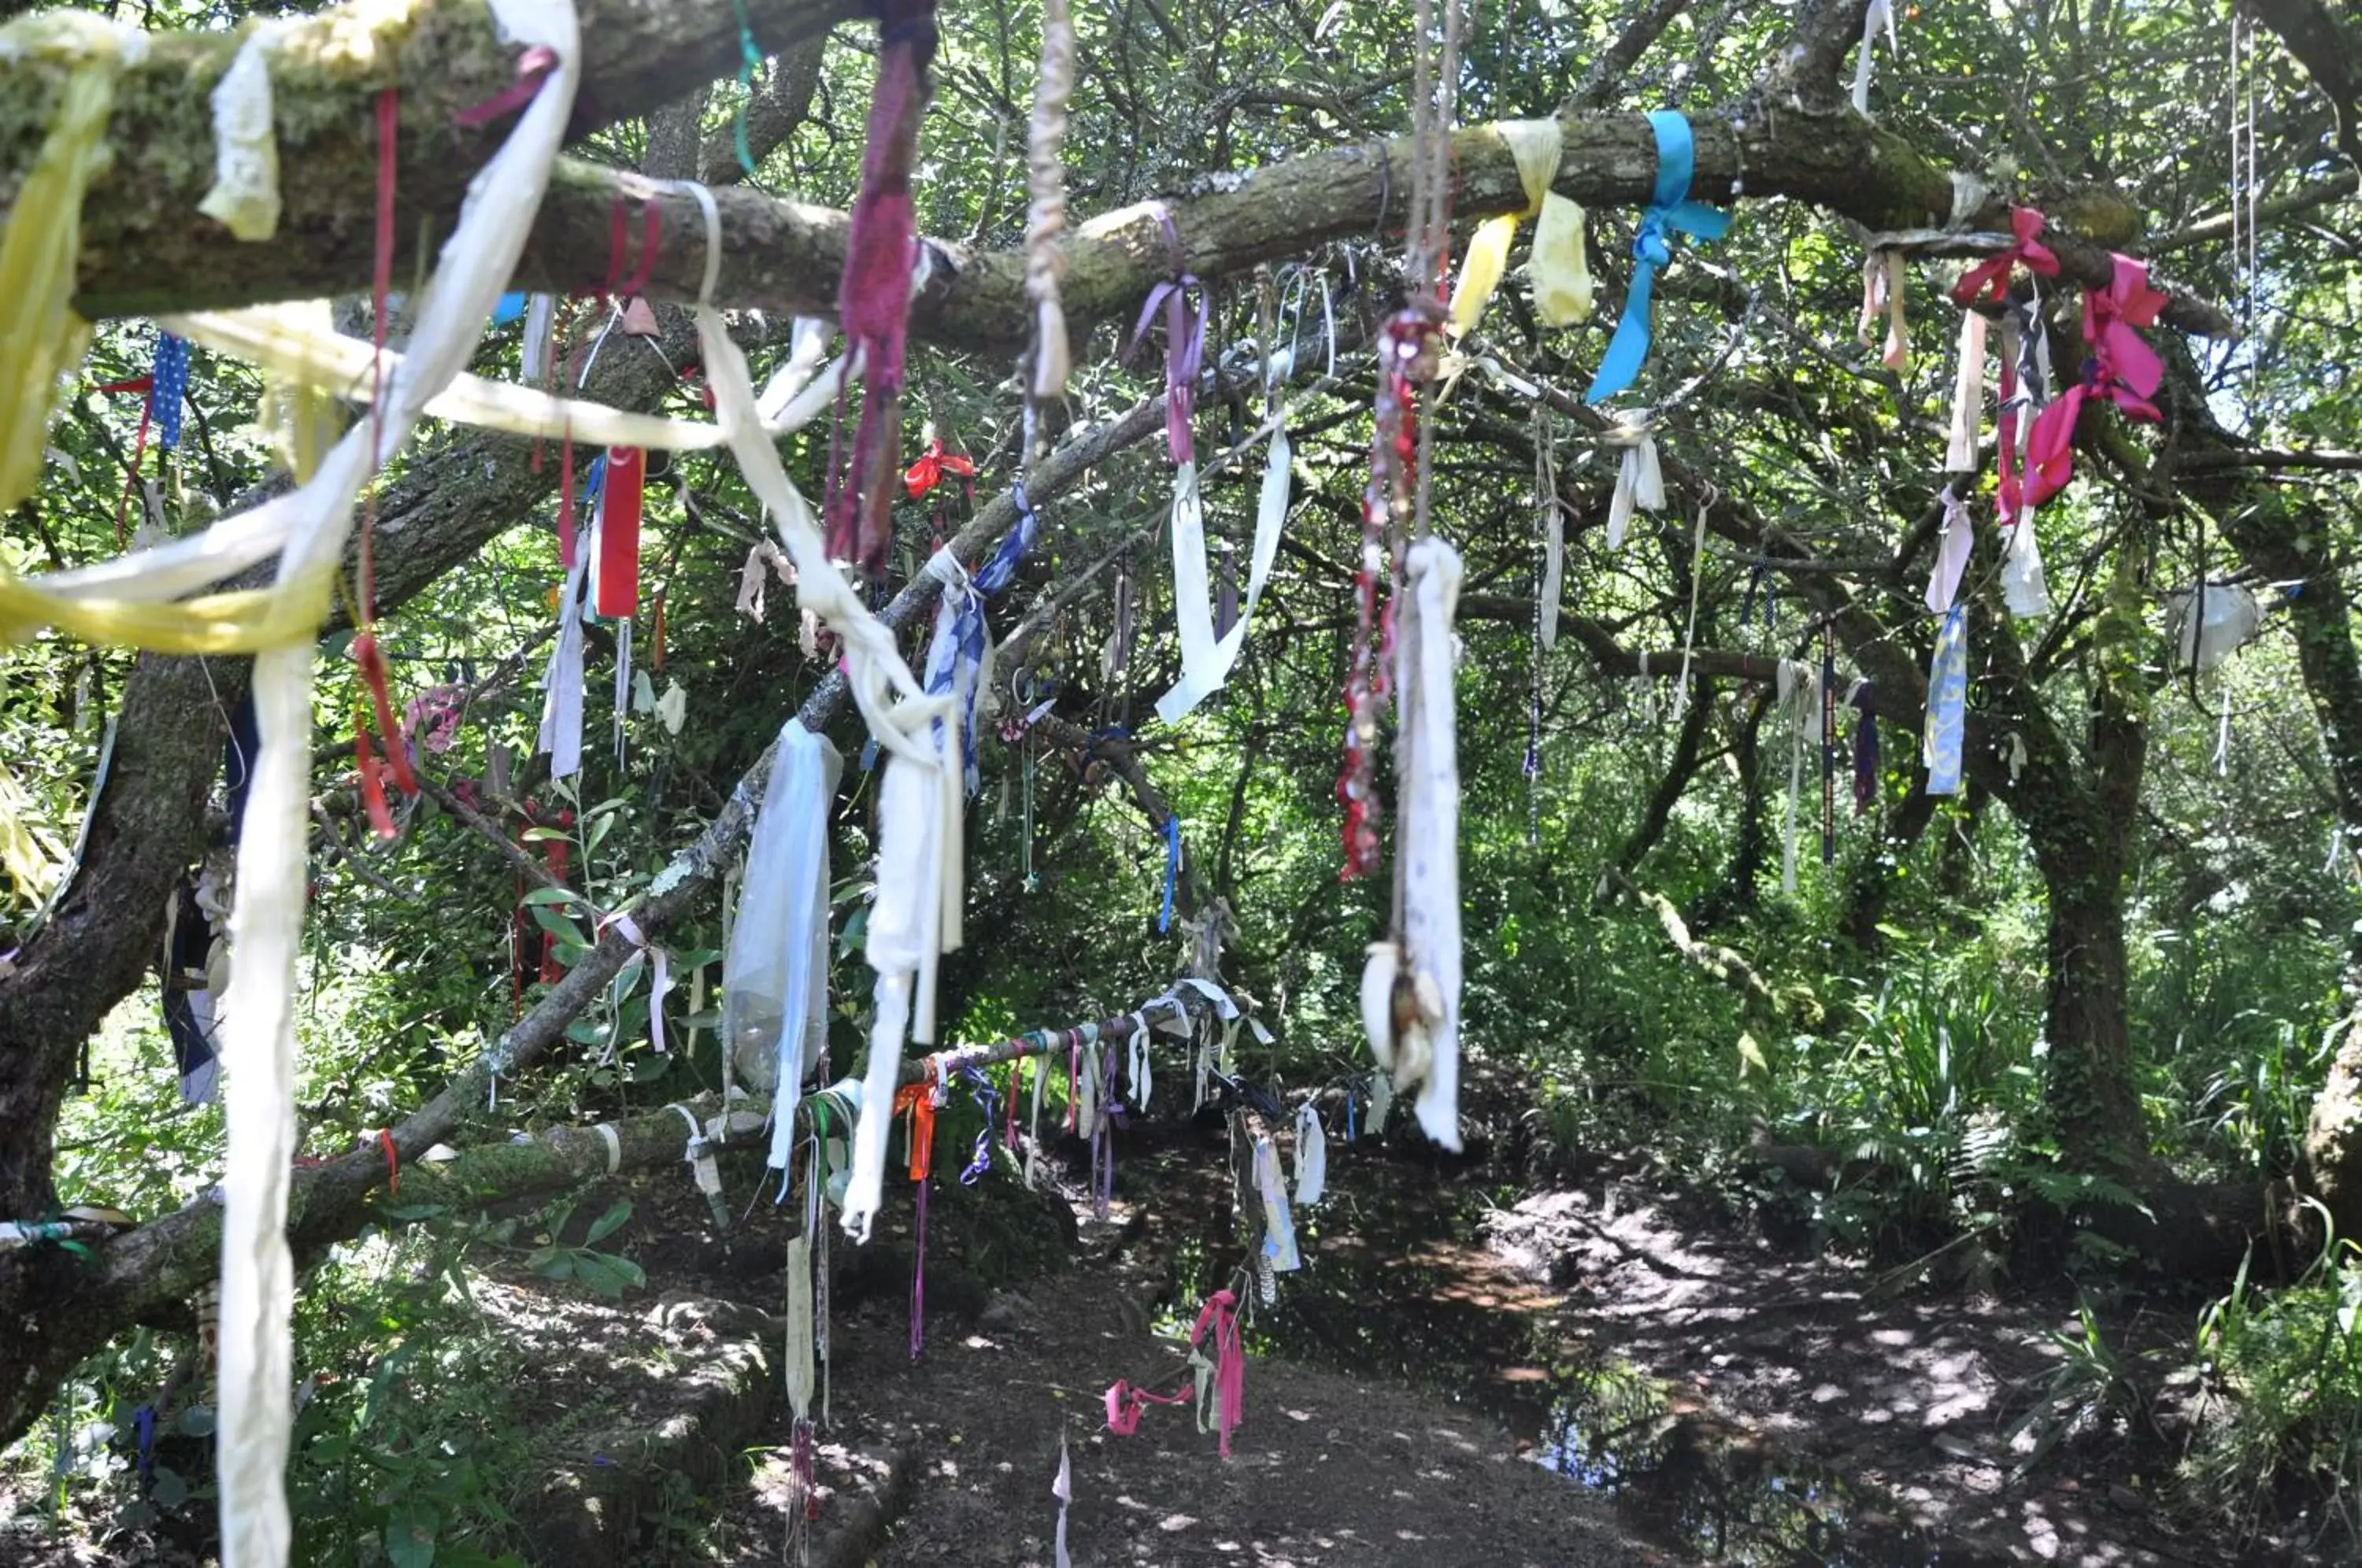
1536, 146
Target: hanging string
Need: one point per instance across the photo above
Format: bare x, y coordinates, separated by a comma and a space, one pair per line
749, 59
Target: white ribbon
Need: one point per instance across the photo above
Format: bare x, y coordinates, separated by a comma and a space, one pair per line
561, 705
1311, 1157
1278, 1226
800, 1327
1968, 396
1640, 480
245, 195
1953, 546
1428, 836
1553, 529
1800, 699
660, 986
1879, 11
2022, 585
1205, 662
540, 321
1689, 636
1137, 1060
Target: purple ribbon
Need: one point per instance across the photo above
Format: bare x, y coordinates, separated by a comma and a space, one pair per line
1185, 350
989, 1099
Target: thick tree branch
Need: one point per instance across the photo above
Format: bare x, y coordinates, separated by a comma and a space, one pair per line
2326, 46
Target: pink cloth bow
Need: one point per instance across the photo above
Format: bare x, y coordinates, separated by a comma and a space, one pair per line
2121, 368
1987, 282
1125, 1404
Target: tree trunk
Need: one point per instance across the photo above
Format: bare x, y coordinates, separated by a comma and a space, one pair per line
2094, 1098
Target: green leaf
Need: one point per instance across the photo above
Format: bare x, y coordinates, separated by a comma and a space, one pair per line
553, 896
412, 1212
409, 1536
552, 1263
598, 1271
558, 926
545, 835
598, 831
168, 1489
607, 1224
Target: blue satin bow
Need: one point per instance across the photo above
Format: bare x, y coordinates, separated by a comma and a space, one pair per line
1669, 210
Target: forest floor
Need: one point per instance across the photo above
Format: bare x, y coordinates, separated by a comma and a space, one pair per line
1570, 1372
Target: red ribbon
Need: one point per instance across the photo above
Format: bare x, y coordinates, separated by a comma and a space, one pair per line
380, 816
651, 238
392, 1163
2121, 368
621, 497
925, 475
533, 66
139, 449
1987, 282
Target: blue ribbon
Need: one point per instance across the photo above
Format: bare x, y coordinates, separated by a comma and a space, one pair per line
1670, 210
1948, 703
168, 386
511, 308
1002, 569
1172, 869
960, 675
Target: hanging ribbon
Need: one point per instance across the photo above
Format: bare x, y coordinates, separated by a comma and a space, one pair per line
921, 1101
959, 657
775, 978
1954, 544
873, 306
1640, 478
1671, 211
168, 388
245, 195
1553, 522
1561, 266
1062, 1488
1002, 569
1947, 705
1311, 1157
2120, 368
1172, 871
561, 709
1879, 11
1987, 283
1185, 349
1799, 697
1279, 1250
622, 483
1207, 658
1864, 699
1968, 396
1228, 1372
1884, 274
1428, 835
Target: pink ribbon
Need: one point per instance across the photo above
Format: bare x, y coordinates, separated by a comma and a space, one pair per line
1125, 1405
1221, 1314
1987, 282
2121, 368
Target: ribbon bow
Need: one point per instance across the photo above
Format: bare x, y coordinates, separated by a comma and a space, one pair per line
1125, 1404
1671, 210
925, 475
2121, 368
1185, 348
1987, 283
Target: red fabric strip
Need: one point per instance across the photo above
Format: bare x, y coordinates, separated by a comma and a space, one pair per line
620, 504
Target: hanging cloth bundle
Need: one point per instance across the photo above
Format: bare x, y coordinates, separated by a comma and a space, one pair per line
774, 981
959, 658
1669, 211
1410, 989
1947, 705
873, 302
1640, 478
1883, 274
1278, 1249
2025, 379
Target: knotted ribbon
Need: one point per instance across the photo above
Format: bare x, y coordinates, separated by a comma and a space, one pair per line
1536, 146
1185, 349
2120, 368
1953, 544
1639, 477
922, 476
1125, 1405
959, 659
1669, 212
1987, 283
1879, 11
